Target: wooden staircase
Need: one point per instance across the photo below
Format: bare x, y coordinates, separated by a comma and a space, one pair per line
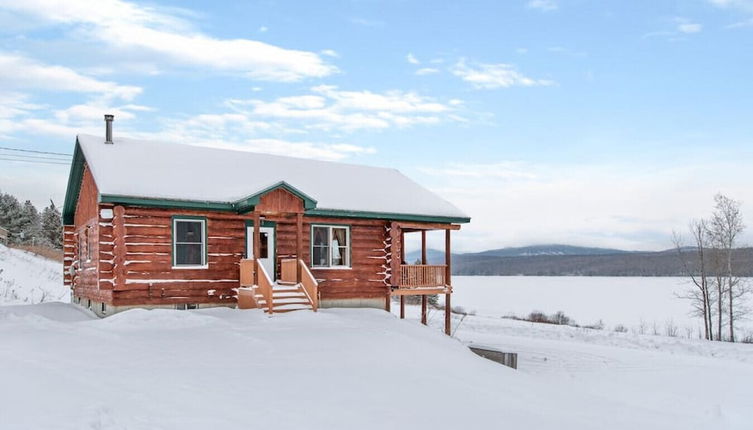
284, 295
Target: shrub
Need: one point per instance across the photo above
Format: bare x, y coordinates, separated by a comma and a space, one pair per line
670, 329
619, 328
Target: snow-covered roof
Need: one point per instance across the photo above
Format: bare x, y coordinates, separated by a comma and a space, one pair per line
152, 170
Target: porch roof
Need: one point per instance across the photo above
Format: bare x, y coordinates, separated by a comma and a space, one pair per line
132, 171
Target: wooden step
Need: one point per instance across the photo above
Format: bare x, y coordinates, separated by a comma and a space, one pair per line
285, 290
284, 283
297, 301
292, 306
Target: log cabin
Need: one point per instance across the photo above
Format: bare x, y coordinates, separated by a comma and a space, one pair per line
160, 225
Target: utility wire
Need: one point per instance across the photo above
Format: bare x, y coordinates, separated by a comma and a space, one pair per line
34, 157
36, 152
35, 161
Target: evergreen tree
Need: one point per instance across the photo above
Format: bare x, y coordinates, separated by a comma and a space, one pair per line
11, 216
30, 224
52, 225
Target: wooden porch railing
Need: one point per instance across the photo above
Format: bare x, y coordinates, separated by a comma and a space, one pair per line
288, 270
264, 285
422, 276
248, 290
308, 284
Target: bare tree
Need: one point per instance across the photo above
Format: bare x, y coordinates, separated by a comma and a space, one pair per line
725, 227
698, 272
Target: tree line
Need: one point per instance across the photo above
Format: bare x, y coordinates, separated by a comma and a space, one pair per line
718, 290
28, 226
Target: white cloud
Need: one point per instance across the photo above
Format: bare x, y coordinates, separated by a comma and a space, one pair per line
263, 29
543, 5
329, 108
367, 22
744, 5
689, 28
686, 26
412, 59
493, 76
330, 53
21, 72
500, 170
169, 38
619, 205
426, 71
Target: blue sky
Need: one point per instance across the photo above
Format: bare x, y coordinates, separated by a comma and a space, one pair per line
600, 123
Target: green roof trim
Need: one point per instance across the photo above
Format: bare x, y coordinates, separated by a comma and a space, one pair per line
247, 204
387, 216
75, 176
241, 206
167, 203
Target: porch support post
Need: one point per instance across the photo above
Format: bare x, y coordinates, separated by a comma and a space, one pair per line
402, 307
423, 247
299, 247
423, 308
257, 246
402, 248
394, 263
448, 282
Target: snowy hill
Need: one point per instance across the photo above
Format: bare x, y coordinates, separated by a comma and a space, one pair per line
27, 278
351, 368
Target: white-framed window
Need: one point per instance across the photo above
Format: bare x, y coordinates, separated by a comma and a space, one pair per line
189, 243
330, 246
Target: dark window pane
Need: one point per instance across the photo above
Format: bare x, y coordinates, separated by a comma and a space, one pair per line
188, 254
263, 245
188, 231
319, 255
321, 236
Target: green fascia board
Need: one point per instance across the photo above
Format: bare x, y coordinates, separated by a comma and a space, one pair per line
232, 207
387, 216
241, 206
75, 176
167, 203
247, 204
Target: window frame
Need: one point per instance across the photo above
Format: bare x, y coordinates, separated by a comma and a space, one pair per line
173, 238
349, 255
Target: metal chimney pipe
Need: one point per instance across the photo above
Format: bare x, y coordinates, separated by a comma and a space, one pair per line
108, 128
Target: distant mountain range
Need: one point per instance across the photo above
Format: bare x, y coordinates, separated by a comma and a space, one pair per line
568, 260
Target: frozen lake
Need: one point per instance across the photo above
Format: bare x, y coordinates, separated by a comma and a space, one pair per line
613, 300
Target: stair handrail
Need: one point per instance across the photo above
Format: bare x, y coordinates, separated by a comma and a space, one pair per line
309, 285
264, 284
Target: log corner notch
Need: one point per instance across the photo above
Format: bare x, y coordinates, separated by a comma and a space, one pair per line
420, 279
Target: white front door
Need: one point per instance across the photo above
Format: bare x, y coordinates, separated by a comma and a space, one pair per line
266, 248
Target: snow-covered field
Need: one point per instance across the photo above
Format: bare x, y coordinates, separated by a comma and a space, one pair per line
62, 368
27, 278
694, 384
351, 368
630, 301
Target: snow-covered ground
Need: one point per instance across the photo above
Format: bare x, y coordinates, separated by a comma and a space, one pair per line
62, 368
350, 368
694, 383
639, 303
27, 278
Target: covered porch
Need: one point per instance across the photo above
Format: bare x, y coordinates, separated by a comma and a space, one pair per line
422, 279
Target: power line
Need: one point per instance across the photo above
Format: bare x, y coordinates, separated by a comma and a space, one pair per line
35, 161
34, 157
36, 152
